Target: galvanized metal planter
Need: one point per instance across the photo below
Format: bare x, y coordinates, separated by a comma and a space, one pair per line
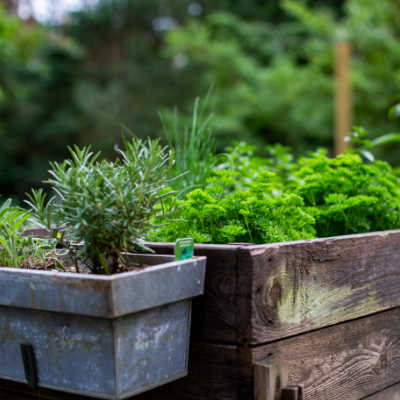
110, 337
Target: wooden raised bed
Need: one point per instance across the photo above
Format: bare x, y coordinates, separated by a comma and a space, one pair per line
324, 308
326, 311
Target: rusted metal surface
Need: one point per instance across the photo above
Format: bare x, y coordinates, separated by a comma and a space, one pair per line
107, 337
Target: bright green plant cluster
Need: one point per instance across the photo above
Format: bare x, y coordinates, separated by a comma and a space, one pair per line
17, 250
253, 215
106, 206
251, 199
346, 195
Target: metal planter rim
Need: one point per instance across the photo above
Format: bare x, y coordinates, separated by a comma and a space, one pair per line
104, 296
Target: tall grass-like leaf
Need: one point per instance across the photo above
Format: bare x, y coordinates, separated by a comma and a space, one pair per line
193, 146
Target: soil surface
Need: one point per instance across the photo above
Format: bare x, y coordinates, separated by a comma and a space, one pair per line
57, 263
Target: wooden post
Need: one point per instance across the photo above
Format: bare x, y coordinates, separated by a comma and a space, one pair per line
269, 379
292, 393
343, 96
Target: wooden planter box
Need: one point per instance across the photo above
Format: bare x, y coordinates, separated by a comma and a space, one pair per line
109, 337
326, 309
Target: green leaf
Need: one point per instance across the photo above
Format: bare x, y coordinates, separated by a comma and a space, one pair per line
386, 139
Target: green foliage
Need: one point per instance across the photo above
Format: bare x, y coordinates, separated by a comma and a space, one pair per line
395, 111
246, 165
193, 146
38, 115
124, 78
346, 195
106, 205
263, 200
363, 145
17, 250
271, 63
254, 215
274, 82
244, 201
78, 82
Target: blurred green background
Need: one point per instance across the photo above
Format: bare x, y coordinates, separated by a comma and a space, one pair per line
78, 77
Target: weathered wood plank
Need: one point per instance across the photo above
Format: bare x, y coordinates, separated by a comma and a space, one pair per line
301, 286
215, 317
291, 393
343, 362
257, 294
269, 379
391, 393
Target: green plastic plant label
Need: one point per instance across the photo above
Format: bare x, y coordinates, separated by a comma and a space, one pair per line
184, 248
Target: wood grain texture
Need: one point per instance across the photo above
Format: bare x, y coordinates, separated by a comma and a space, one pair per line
215, 317
343, 95
257, 294
348, 361
291, 393
391, 393
269, 380
301, 286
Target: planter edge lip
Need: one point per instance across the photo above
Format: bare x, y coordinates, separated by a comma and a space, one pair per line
100, 277
102, 296
198, 246
251, 246
326, 240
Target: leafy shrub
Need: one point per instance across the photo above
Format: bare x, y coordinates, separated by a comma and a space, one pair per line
346, 195
241, 216
274, 81
108, 206
38, 114
245, 165
262, 200
233, 208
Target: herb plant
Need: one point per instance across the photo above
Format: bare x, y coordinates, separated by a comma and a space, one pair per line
223, 213
193, 146
17, 250
346, 195
279, 198
106, 206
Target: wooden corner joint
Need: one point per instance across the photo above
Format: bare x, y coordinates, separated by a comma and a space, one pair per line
292, 393
271, 382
